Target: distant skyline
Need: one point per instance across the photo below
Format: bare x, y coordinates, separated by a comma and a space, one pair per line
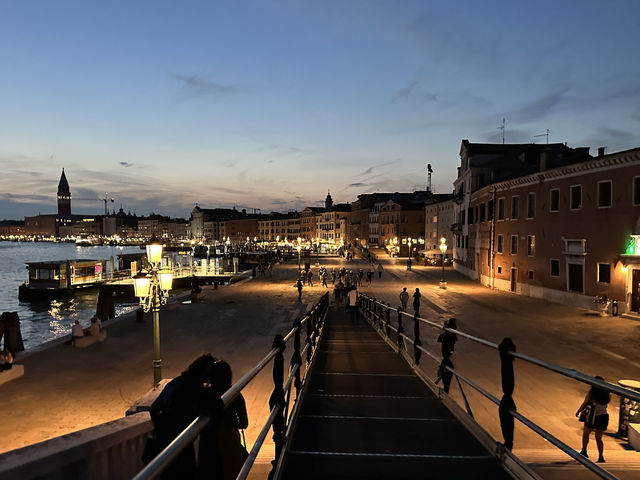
269, 104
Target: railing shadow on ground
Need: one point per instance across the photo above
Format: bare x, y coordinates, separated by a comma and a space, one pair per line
382, 317
279, 402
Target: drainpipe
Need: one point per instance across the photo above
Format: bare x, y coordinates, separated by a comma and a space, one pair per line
492, 242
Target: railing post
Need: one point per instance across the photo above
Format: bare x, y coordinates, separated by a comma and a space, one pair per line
388, 320
417, 353
508, 384
309, 328
277, 397
296, 360
400, 331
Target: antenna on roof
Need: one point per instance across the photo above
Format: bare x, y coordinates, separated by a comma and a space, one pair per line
543, 135
501, 127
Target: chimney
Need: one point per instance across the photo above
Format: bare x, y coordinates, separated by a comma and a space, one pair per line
545, 159
601, 151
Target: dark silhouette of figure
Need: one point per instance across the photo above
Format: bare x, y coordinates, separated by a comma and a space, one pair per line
409, 264
221, 453
594, 413
179, 403
352, 303
416, 301
448, 339
404, 298
380, 270
299, 286
310, 278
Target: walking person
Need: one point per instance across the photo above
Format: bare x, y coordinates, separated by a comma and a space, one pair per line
369, 276
352, 303
310, 278
593, 412
324, 280
404, 298
380, 270
360, 277
299, 287
416, 301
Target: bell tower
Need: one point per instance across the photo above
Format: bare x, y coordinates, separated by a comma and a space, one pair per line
328, 202
64, 197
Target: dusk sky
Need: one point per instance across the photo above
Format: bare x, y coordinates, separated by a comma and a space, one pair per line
269, 104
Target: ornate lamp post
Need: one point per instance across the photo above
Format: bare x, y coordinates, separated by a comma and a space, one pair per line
409, 243
443, 249
153, 290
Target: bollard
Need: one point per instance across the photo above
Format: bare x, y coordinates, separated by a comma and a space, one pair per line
277, 397
417, 353
508, 385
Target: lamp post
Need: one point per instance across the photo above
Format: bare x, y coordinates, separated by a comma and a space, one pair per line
299, 248
443, 249
317, 251
409, 243
153, 290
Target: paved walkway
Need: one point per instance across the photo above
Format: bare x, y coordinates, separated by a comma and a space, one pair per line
365, 414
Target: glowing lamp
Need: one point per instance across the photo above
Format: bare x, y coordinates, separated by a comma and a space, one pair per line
165, 277
141, 285
154, 250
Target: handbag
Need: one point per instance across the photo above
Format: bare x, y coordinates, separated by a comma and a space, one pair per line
584, 414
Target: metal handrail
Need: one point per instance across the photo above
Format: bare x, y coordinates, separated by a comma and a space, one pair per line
576, 375
191, 432
372, 315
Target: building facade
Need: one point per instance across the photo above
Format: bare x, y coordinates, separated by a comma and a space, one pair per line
438, 219
562, 234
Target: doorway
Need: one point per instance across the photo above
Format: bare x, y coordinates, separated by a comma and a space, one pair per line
635, 290
576, 283
514, 277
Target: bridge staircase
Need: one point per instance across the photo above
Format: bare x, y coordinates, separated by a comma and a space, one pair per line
366, 414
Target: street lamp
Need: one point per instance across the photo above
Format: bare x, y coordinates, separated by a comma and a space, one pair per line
409, 243
443, 249
299, 247
153, 290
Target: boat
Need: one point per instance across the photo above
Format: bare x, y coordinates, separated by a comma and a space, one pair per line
61, 277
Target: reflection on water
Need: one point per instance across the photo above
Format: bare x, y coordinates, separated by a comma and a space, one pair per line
44, 320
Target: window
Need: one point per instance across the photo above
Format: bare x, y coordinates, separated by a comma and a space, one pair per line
530, 274
490, 210
555, 267
501, 209
514, 244
499, 269
515, 207
481, 217
500, 245
604, 273
531, 205
554, 203
531, 245
636, 190
470, 216
604, 194
576, 197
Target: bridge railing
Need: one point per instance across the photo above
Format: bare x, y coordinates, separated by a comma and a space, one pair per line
281, 397
382, 316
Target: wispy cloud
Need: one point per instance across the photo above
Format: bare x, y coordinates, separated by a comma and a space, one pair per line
126, 164
539, 108
414, 91
192, 86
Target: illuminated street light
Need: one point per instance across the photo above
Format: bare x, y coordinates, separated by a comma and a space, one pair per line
443, 249
409, 243
153, 290
299, 248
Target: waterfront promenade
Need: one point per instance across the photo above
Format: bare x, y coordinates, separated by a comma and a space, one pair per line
66, 389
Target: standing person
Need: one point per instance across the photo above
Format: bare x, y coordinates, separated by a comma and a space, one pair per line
324, 280
380, 270
299, 287
310, 278
594, 413
404, 298
360, 277
352, 303
369, 276
448, 339
416, 301
409, 264
333, 276
179, 403
220, 453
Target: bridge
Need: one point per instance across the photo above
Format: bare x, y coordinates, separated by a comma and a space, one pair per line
367, 405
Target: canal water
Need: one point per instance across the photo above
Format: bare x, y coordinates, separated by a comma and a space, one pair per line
44, 320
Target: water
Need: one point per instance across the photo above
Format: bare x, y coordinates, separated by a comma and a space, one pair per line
45, 320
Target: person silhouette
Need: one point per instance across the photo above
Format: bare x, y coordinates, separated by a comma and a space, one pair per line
596, 418
416, 301
404, 298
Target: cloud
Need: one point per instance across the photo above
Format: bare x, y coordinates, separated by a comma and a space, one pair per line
126, 164
414, 91
192, 86
357, 184
540, 107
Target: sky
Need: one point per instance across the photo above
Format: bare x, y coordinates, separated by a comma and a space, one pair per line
271, 104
